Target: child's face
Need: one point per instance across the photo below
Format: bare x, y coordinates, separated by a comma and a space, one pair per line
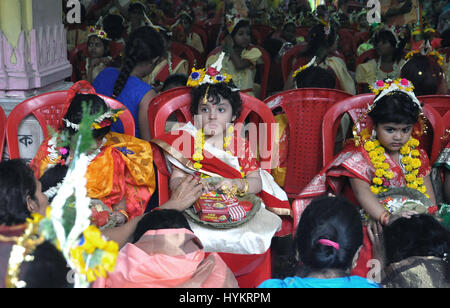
393, 136
215, 117
289, 33
96, 49
242, 37
384, 48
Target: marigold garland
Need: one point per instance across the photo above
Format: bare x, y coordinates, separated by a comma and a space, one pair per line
410, 160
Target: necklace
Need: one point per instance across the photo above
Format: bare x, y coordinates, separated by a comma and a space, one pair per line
409, 162
382, 75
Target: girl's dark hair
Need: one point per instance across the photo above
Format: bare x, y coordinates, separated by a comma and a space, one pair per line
387, 36
52, 177
17, 182
143, 45
241, 24
48, 269
445, 38
113, 26
75, 112
317, 39
136, 8
105, 45
334, 219
316, 77
396, 107
214, 93
160, 219
420, 235
177, 80
425, 74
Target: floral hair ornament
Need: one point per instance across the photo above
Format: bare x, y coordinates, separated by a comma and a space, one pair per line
426, 49
67, 223
232, 19
212, 75
98, 31
380, 89
304, 67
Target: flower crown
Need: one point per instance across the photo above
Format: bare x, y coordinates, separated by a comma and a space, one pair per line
212, 75
304, 67
380, 89
426, 50
231, 20
98, 31
104, 120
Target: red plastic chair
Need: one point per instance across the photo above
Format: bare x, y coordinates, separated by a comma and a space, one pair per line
305, 109
49, 109
264, 71
184, 52
2, 131
202, 32
263, 30
446, 120
356, 106
302, 31
439, 102
288, 59
366, 56
250, 270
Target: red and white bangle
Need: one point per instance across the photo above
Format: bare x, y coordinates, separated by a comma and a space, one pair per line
385, 218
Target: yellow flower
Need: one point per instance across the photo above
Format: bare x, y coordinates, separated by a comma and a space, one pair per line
416, 163
196, 77
385, 166
420, 181
410, 177
198, 166
197, 156
380, 173
406, 160
408, 168
422, 189
373, 155
380, 150
374, 190
369, 146
405, 150
389, 175
377, 181
413, 142
415, 153
415, 172
412, 185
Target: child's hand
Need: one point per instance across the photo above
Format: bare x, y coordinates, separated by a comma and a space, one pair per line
119, 218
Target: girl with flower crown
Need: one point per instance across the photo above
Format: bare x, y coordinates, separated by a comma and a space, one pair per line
322, 43
389, 157
120, 172
213, 148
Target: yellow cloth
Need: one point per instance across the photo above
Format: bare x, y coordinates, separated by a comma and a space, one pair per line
194, 40
181, 68
243, 79
340, 69
281, 145
368, 72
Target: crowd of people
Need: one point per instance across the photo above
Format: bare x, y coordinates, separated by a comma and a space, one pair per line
128, 51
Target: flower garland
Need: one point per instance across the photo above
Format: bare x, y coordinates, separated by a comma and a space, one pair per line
409, 159
199, 143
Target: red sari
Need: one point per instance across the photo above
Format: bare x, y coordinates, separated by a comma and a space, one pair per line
352, 162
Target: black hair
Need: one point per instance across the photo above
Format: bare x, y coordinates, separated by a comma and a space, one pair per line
215, 91
316, 77
445, 38
420, 235
334, 219
241, 24
104, 42
317, 39
143, 45
425, 74
17, 182
136, 8
387, 36
161, 219
53, 177
113, 26
75, 112
175, 80
48, 269
396, 107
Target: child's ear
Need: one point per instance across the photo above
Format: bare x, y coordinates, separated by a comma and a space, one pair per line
32, 205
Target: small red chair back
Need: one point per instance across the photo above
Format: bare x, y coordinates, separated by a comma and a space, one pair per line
302, 31
439, 102
263, 30
288, 59
265, 70
446, 120
179, 100
305, 109
356, 106
2, 131
184, 52
49, 109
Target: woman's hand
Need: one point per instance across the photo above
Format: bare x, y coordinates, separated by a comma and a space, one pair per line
405, 214
185, 194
